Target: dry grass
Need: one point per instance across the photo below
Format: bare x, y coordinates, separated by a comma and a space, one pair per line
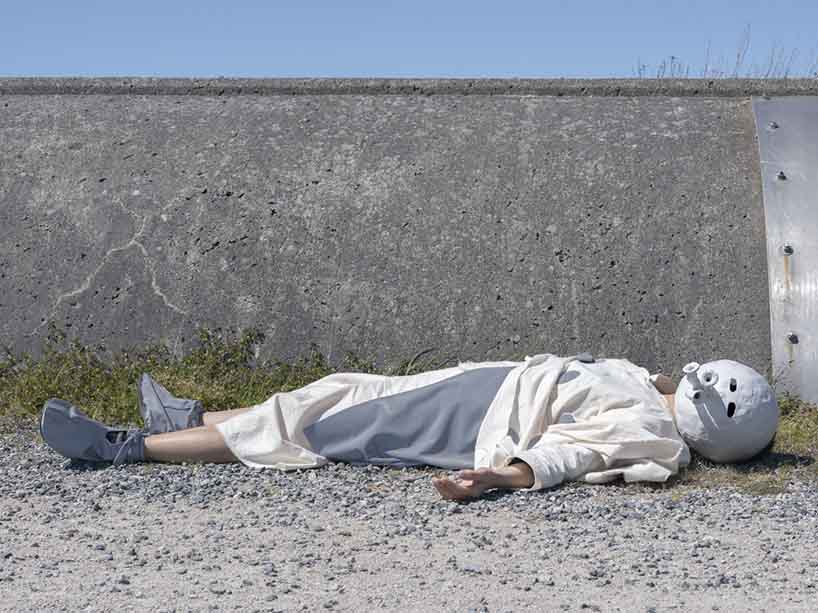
779, 62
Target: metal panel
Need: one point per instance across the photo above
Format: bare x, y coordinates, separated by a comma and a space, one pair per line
788, 146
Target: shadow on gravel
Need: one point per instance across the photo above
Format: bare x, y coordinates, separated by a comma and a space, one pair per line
768, 473
774, 460
768, 460
81, 466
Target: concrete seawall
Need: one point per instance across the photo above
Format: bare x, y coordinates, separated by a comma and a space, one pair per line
481, 218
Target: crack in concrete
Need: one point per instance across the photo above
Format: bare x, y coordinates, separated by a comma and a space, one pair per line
86, 284
154, 286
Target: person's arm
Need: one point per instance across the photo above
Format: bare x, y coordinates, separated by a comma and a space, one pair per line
548, 463
555, 459
473, 483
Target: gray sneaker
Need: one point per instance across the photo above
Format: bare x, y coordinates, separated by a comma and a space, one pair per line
71, 433
163, 412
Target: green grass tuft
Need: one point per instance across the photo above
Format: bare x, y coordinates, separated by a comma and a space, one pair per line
221, 371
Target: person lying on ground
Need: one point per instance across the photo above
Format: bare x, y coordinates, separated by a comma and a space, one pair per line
526, 425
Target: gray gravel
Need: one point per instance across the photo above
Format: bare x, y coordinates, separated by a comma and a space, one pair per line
224, 537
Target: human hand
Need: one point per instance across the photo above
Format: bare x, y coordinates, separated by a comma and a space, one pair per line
467, 484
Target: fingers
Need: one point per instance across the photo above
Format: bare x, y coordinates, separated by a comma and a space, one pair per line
450, 490
457, 490
471, 475
481, 475
442, 487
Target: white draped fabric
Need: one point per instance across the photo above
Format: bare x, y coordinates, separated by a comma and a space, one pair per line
566, 418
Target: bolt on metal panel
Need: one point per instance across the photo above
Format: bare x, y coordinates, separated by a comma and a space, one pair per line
787, 130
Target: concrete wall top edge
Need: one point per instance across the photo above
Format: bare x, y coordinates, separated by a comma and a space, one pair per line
383, 86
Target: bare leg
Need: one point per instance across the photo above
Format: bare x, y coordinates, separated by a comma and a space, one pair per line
202, 444
211, 418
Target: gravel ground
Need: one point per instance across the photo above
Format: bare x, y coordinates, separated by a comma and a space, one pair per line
156, 537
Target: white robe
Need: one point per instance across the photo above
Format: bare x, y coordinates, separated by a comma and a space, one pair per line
595, 422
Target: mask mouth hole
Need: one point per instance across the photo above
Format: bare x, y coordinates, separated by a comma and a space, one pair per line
731, 409
733, 385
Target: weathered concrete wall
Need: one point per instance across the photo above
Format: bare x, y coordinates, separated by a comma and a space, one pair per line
485, 225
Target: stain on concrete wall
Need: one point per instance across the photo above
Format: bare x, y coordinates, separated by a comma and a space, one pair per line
481, 225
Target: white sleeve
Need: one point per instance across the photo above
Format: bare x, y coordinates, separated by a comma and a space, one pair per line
554, 459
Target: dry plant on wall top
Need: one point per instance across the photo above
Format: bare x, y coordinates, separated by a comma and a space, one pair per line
780, 63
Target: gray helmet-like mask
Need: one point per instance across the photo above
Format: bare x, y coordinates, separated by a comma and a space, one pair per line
725, 410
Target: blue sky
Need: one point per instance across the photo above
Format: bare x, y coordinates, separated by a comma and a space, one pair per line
412, 38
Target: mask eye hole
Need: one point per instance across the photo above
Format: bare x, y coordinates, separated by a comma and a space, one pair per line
733, 385
731, 409
696, 395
